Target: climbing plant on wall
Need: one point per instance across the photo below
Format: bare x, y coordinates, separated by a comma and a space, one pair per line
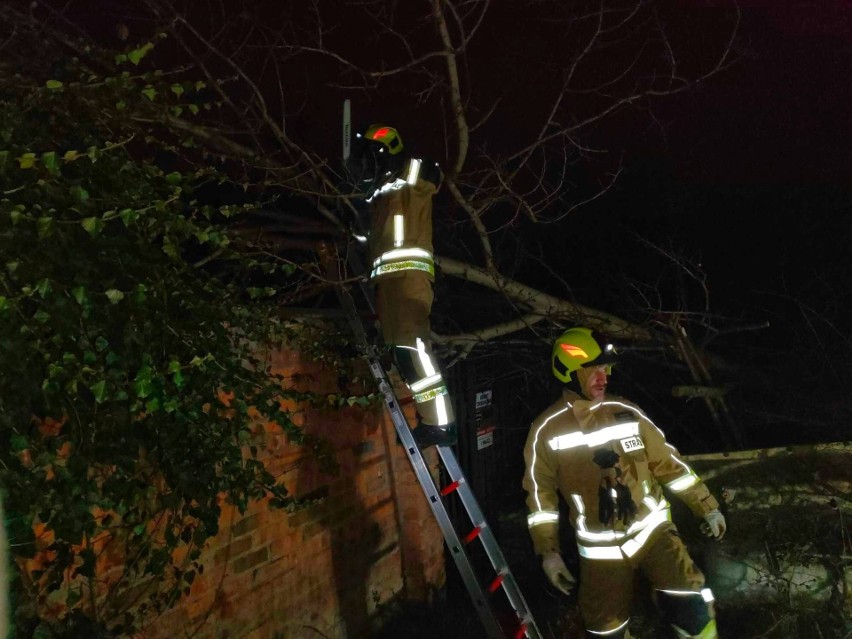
131, 326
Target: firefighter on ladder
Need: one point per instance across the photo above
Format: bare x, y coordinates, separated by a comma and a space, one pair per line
610, 462
400, 192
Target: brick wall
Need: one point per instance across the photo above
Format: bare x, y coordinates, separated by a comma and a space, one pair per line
324, 570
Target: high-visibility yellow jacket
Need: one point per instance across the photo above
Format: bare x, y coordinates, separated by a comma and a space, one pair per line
401, 225
559, 451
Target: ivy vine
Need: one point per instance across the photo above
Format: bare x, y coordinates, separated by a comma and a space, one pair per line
129, 331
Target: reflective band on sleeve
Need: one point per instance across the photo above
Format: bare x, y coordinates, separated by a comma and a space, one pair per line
602, 436
600, 552
532, 471
683, 482
542, 517
409, 265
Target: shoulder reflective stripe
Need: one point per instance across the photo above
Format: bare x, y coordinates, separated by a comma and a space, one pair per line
600, 552
403, 254
535, 454
563, 442
683, 482
608, 633
635, 410
398, 229
612, 432
409, 265
413, 171
542, 517
602, 436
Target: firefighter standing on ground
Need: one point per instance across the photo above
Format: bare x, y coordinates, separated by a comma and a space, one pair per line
609, 462
403, 269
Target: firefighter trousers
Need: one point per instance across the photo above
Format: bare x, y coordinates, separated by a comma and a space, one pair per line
403, 304
607, 588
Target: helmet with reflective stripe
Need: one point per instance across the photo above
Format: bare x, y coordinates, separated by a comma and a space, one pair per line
578, 347
386, 135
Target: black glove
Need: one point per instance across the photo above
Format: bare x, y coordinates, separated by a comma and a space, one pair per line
619, 505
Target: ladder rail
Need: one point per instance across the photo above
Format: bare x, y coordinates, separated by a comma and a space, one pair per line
456, 545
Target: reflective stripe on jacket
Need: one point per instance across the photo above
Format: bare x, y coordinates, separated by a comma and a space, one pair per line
401, 221
559, 452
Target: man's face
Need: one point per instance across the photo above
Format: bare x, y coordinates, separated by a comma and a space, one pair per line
593, 381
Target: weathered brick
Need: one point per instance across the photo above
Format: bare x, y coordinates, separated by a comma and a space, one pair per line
250, 560
246, 524
234, 549
285, 570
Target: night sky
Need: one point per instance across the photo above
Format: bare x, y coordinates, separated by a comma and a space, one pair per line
748, 177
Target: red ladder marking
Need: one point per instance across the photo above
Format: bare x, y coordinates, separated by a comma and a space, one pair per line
450, 487
473, 534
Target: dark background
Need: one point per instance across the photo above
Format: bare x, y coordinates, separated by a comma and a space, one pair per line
745, 180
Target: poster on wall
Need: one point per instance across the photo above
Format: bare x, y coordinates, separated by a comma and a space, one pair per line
484, 420
483, 399
484, 436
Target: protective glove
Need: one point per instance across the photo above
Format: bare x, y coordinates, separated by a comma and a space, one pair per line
614, 499
714, 525
557, 573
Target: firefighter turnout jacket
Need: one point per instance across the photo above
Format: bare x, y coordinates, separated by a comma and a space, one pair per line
403, 270
560, 449
401, 223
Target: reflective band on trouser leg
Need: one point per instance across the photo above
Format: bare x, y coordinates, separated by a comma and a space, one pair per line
708, 632
404, 259
433, 404
689, 613
605, 595
615, 633
427, 386
407, 265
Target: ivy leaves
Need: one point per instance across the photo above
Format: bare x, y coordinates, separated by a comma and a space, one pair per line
119, 307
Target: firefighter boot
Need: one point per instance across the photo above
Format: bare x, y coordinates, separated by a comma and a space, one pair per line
427, 435
690, 614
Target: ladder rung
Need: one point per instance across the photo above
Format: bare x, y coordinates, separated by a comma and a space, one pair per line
504, 578
446, 490
473, 534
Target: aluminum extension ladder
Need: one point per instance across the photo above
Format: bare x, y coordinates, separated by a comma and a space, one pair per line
483, 596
